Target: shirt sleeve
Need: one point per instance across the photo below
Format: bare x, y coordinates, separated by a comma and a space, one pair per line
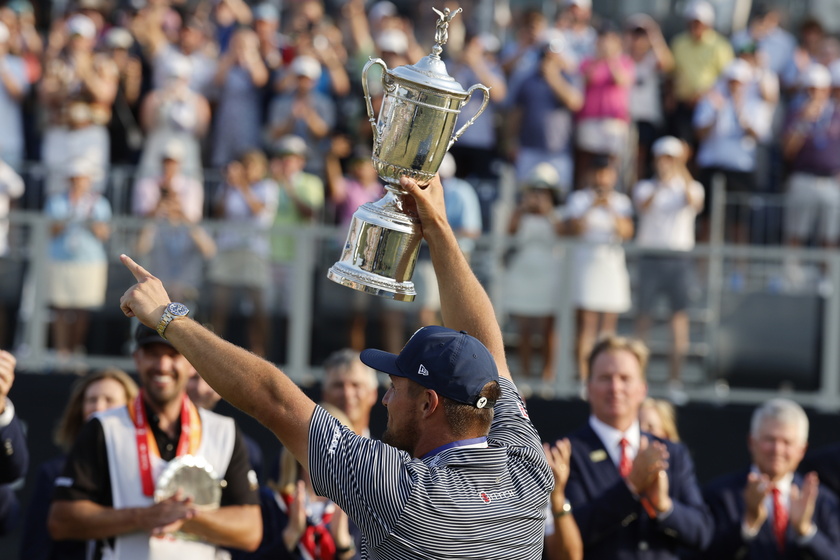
101, 210
511, 424
85, 475
621, 204
704, 114
193, 200
472, 210
10, 182
241, 481
368, 479
641, 192
14, 456
145, 197
576, 205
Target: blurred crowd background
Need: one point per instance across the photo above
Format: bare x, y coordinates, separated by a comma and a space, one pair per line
226, 145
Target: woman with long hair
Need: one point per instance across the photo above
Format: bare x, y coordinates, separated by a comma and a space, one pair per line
98, 391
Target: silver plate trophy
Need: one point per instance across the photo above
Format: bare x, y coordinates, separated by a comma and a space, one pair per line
412, 134
195, 478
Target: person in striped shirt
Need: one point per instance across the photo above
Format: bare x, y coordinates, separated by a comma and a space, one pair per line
460, 472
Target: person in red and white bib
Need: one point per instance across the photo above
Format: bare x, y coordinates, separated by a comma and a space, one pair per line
106, 493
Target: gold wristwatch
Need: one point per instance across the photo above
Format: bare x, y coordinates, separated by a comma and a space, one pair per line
172, 312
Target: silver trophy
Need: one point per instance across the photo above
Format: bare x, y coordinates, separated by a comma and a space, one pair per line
195, 478
411, 136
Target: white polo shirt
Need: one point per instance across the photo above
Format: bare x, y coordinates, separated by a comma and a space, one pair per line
668, 222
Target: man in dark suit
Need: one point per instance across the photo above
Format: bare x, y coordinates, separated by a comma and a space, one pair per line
633, 495
769, 511
14, 456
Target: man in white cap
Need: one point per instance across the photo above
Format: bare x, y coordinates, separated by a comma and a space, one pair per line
729, 124
811, 146
13, 88
575, 21
667, 206
700, 55
304, 112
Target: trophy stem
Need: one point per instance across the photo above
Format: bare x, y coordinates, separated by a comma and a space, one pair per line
380, 253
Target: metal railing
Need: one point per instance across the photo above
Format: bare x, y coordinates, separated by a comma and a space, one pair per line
317, 307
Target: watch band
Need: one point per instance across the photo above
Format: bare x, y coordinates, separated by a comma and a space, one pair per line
567, 509
170, 313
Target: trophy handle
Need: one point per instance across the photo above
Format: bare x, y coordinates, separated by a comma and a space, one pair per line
368, 101
486, 91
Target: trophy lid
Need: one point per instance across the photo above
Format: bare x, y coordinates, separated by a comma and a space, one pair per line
431, 70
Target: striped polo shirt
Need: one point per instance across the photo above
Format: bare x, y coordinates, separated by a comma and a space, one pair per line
463, 502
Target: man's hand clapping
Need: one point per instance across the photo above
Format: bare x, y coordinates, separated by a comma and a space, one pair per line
802, 503
648, 477
755, 512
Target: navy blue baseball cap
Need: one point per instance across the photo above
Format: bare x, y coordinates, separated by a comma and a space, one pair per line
451, 363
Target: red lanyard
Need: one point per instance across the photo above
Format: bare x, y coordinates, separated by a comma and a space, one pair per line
147, 446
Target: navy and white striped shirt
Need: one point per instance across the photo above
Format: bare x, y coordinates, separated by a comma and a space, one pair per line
464, 502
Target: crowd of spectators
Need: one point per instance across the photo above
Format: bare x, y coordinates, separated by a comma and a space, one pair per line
270, 100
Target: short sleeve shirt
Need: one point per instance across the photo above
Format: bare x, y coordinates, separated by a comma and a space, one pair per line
599, 220
464, 502
668, 222
76, 242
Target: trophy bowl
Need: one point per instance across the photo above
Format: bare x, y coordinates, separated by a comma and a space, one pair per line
413, 132
194, 477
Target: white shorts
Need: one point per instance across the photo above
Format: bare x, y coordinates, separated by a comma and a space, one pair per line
77, 285
813, 203
602, 136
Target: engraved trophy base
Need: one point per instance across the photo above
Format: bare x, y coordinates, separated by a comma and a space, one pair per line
381, 250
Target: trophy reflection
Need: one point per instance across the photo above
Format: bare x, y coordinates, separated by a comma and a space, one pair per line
414, 131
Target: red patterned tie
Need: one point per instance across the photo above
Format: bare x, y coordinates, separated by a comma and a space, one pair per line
624, 464
780, 518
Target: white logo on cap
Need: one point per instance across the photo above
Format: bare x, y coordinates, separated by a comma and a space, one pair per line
481, 402
422, 370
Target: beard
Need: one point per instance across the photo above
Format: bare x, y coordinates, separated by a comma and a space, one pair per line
404, 438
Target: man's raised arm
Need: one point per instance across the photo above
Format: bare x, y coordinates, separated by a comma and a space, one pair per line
464, 304
246, 381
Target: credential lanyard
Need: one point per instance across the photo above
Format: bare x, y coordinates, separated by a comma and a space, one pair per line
147, 446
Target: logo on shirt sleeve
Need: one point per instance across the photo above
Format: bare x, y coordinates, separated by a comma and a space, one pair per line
334, 442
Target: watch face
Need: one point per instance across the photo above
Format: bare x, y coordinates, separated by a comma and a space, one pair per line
177, 309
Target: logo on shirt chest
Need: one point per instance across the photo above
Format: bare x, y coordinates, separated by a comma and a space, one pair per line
488, 497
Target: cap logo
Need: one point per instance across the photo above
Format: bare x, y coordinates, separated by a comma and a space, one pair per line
422, 370
481, 402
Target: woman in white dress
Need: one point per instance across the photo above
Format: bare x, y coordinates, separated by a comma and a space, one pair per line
533, 269
601, 217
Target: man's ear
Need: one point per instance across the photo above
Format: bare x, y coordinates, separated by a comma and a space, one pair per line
431, 402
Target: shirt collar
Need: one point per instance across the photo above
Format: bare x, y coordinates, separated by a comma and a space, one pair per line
612, 437
465, 443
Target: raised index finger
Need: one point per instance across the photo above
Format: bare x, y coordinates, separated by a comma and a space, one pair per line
138, 271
